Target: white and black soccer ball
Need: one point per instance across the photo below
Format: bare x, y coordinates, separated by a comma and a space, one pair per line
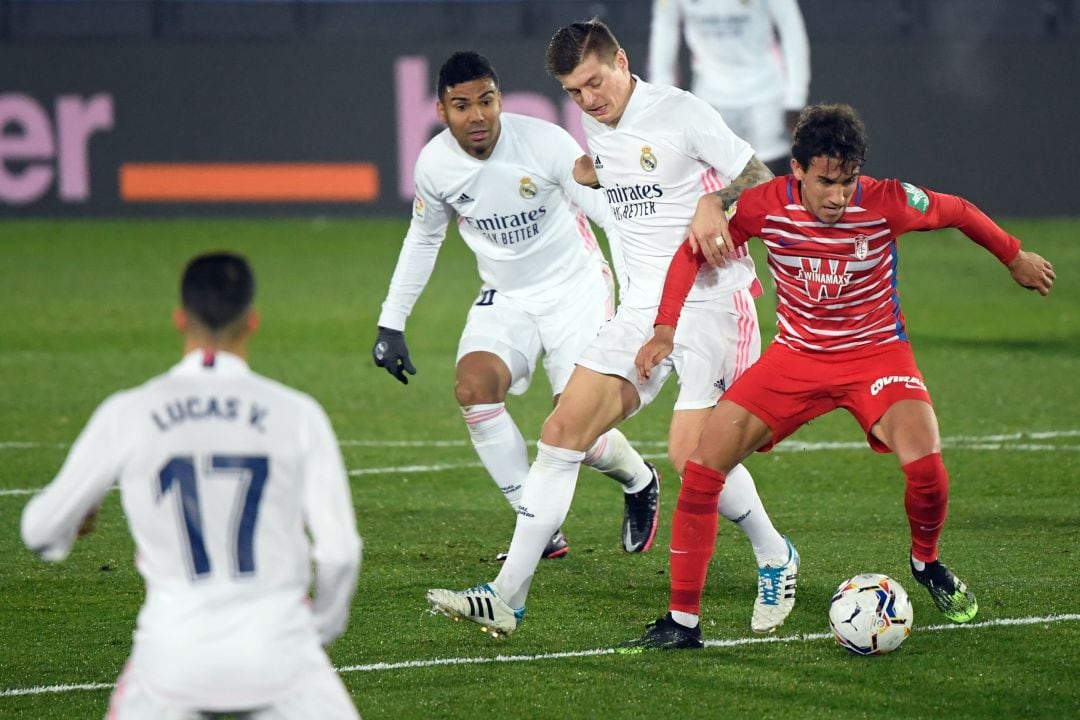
870, 614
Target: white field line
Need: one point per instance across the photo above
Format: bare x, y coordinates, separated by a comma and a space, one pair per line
1005, 442
437, 662
1002, 441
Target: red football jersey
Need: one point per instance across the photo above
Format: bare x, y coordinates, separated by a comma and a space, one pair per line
836, 284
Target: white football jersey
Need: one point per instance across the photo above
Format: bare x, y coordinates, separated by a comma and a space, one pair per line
668, 150
520, 211
222, 474
733, 50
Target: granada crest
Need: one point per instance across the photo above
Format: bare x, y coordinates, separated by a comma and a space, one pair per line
862, 247
527, 188
648, 160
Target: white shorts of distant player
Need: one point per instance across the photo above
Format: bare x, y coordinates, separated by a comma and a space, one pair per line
517, 335
318, 694
715, 342
761, 125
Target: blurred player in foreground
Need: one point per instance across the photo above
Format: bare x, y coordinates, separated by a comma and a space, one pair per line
546, 286
223, 475
659, 153
736, 66
831, 236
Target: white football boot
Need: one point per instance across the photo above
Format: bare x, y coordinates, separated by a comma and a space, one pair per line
481, 604
776, 591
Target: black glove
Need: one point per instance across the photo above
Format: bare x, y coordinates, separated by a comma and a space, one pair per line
390, 352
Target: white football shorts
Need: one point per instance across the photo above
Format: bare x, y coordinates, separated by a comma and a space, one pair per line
497, 324
761, 125
318, 695
714, 343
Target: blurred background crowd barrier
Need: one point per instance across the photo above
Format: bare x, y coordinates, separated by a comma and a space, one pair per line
183, 107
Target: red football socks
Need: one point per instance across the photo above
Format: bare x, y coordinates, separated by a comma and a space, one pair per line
926, 500
693, 535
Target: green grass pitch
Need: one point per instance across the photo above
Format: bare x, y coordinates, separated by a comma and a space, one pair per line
85, 309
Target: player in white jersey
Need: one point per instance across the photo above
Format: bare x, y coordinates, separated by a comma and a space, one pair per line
223, 476
546, 286
736, 66
658, 153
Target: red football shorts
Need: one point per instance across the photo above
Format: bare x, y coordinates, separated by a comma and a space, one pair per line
786, 388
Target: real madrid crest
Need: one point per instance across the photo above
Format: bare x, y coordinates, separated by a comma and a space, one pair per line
648, 160
862, 247
418, 207
527, 188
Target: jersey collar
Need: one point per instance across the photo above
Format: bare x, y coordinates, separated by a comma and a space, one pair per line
636, 102
216, 361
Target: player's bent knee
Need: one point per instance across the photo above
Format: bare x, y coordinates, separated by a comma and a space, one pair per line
721, 459
704, 461
564, 430
469, 394
481, 378
678, 462
475, 389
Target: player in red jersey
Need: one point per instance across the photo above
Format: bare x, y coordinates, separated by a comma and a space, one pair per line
831, 239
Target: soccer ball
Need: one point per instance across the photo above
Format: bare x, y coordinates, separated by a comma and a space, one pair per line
870, 614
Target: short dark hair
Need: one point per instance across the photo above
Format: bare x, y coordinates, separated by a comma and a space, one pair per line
833, 131
217, 289
463, 66
573, 43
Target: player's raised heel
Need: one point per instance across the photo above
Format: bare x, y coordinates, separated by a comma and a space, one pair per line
640, 515
481, 605
776, 591
558, 546
948, 592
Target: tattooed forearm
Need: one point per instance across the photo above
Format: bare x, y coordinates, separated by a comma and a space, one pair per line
755, 173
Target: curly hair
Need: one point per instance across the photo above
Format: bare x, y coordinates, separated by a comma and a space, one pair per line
833, 131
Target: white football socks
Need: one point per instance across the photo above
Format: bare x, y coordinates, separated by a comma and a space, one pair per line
741, 504
500, 446
543, 507
685, 619
612, 455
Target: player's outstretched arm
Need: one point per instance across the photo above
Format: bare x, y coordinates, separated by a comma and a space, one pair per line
709, 232
938, 210
654, 351
1033, 272
391, 352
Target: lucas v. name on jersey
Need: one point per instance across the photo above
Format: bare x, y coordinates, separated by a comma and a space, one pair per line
228, 409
